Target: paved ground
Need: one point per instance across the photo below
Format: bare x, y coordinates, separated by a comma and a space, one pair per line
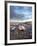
21, 34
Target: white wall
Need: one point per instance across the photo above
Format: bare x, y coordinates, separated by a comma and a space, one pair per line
1, 22
2, 14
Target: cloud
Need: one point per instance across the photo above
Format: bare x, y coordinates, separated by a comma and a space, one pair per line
19, 12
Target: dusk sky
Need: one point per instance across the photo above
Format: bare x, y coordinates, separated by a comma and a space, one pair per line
20, 12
